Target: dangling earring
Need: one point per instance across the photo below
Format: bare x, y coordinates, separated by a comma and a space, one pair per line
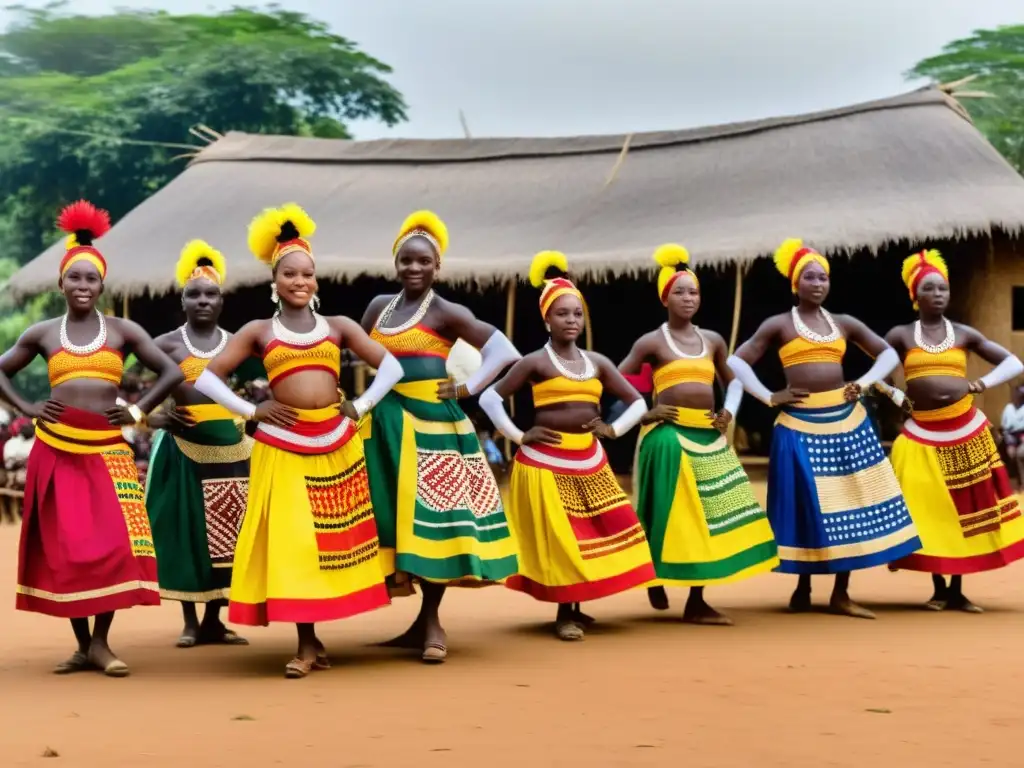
547, 327
315, 302
273, 294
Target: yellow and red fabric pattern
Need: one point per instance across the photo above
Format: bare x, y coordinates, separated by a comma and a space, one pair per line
86, 546
84, 223
282, 359
793, 257
105, 364
670, 257
552, 288
958, 492
917, 267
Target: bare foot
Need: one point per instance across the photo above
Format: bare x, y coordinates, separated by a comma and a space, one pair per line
699, 612
104, 659
842, 605
658, 598
961, 603
800, 602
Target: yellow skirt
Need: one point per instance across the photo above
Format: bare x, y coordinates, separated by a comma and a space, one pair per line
958, 493
308, 548
579, 536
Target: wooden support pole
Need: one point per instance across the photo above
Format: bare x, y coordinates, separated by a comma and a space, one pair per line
734, 334
124, 307
510, 319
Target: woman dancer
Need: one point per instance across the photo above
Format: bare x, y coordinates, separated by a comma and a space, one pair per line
955, 484
438, 509
693, 497
86, 547
308, 548
578, 535
833, 500
198, 476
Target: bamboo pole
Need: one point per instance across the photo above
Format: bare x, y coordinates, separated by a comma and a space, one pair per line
124, 307
735, 332
510, 317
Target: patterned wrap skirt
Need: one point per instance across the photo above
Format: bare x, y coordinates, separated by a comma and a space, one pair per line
833, 499
958, 492
196, 491
438, 507
308, 549
86, 546
696, 505
579, 536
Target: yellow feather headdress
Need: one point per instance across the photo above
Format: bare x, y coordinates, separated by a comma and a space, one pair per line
670, 257
556, 286
276, 232
792, 257
425, 224
191, 264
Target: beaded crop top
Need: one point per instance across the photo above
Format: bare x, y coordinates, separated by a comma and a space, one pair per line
282, 359
104, 364
418, 341
684, 370
562, 390
800, 351
193, 367
920, 363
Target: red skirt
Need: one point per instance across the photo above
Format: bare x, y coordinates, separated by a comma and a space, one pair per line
86, 546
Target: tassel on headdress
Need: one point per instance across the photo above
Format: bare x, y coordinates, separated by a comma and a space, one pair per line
84, 223
671, 257
425, 224
792, 257
200, 260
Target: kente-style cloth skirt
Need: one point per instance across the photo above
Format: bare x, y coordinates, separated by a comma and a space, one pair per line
579, 536
308, 549
196, 491
833, 500
696, 505
86, 546
439, 511
958, 492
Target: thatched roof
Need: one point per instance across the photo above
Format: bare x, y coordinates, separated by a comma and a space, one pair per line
911, 168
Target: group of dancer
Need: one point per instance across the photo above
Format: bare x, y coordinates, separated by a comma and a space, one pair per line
335, 506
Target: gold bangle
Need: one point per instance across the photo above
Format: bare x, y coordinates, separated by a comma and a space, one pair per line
137, 414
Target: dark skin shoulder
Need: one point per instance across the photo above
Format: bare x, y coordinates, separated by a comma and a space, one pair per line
374, 309
248, 342
856, 332
772, 332
644, 350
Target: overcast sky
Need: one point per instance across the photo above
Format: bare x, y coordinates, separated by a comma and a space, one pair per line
559, 67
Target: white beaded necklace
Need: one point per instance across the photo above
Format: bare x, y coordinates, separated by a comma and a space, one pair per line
814, 336
85, 349
944, 346
418, 315
677, 351
321, 330
200, 354
561, 365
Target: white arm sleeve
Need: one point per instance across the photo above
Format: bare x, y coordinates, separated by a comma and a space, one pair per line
733, 397
389, 373
494, 356
742, 371
896, 395
492, 404
1009, 369
885, 364
629, 417
211, 385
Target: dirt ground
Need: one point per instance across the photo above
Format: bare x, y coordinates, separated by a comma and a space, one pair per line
911, 689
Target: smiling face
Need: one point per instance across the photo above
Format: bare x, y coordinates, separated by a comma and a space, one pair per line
416, 264
683, 299
933, 294
813, 285
565, 318
202, 301
295, 278
82, 286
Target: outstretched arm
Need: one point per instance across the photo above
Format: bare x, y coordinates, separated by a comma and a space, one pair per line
169, 375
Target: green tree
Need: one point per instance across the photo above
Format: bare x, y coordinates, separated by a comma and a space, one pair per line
995, 58
15, 317
101, 106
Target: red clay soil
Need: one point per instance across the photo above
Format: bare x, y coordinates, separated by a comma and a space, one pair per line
911, 689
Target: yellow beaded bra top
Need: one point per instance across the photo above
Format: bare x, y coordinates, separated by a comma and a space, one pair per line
568, 387
686, 368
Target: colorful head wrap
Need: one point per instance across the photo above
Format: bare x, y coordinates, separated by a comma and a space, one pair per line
84, 223
425, 224
792, 257
200, 260
556, 286
917, 267
671, 256
279, 231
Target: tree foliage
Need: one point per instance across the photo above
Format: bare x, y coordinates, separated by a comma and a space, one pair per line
996, 58
101, 106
